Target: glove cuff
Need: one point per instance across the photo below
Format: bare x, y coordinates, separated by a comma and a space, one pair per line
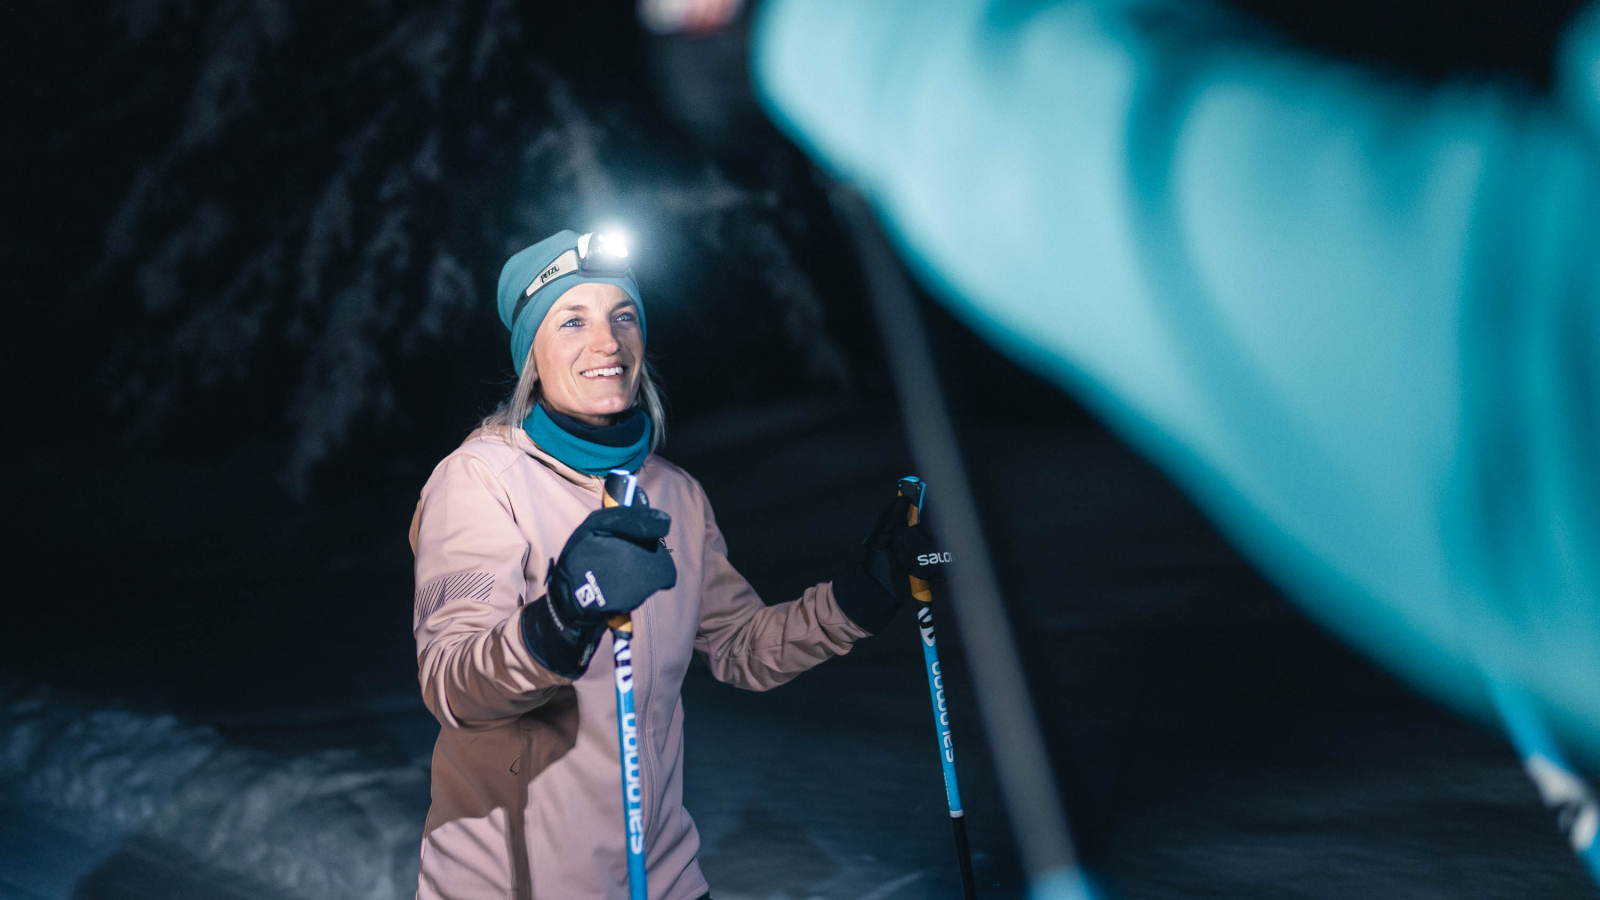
868, 603
559, 647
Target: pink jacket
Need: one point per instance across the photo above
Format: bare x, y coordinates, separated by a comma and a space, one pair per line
527, 799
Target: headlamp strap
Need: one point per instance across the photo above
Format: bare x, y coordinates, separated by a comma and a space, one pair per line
565, 263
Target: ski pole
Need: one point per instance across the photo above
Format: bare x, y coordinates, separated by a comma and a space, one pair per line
1022, 764
914, 488
622, 489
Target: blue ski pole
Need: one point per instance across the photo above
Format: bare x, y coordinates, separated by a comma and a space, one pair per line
1022, 764
622, 489
914, 488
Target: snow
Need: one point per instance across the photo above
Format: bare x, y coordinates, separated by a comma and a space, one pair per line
97, 779
833, 791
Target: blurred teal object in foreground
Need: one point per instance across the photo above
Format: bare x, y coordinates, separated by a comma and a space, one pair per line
1560, 787
1358, 319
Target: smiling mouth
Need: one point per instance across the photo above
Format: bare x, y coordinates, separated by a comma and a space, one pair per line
602, 373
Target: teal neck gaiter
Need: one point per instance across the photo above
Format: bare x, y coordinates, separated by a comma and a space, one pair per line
592, 449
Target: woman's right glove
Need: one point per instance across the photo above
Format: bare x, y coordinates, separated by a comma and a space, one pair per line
612, 563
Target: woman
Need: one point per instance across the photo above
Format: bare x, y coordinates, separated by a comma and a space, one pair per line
517, 568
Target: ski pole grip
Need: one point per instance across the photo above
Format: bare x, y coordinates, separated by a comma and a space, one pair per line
913, 487
621, 489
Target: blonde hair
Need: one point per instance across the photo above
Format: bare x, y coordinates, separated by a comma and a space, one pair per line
507, 418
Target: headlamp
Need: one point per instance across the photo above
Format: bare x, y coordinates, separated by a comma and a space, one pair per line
602, 254
599, 255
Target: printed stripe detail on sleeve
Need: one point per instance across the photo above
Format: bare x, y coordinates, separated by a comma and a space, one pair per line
438, 592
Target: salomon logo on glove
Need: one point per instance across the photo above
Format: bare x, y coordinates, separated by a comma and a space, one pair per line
589, 594
915, 550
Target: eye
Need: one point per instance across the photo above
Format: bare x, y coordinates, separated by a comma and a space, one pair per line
573, 322
628, 316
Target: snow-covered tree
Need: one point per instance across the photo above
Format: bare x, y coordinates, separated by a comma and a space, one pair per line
342, 181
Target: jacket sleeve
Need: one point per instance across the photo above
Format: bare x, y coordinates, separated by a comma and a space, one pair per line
758, 647
474, 669
1355, 318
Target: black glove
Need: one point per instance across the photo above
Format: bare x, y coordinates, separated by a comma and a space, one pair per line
611, 564
872, 592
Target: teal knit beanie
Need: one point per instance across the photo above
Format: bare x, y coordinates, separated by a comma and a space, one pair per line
522, 308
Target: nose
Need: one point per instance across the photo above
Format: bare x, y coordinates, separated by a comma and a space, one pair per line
603, 338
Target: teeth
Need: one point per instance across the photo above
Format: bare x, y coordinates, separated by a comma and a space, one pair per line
601, 373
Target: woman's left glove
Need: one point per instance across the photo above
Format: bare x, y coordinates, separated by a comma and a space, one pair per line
871, 592
611, 564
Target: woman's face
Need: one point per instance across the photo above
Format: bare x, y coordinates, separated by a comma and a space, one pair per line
588, 351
